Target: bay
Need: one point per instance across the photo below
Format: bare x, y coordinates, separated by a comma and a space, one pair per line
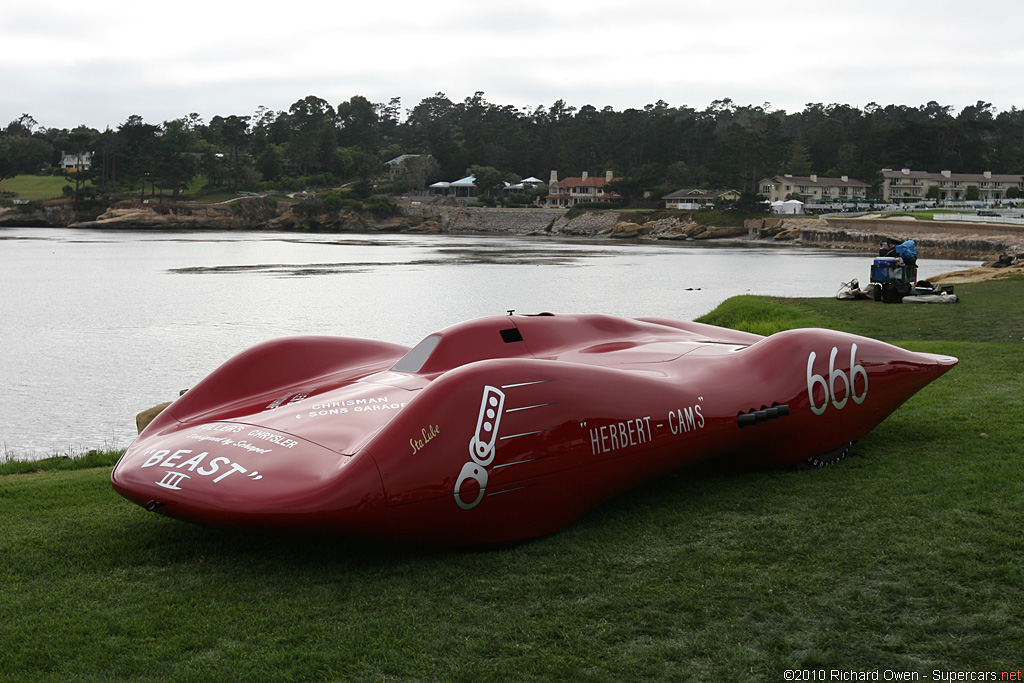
96, 326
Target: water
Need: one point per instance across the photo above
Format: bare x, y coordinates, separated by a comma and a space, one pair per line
96, 326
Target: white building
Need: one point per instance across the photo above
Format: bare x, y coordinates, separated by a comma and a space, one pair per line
813, 188
81, 162
905, 185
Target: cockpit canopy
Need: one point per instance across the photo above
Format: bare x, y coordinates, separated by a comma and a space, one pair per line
544, 336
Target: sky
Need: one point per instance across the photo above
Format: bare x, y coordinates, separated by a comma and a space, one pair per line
74, 63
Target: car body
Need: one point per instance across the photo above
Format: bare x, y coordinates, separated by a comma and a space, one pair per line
501, 428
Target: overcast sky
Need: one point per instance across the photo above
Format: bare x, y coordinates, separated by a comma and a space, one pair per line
71, 63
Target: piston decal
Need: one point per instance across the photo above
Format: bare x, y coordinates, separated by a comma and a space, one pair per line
483, 443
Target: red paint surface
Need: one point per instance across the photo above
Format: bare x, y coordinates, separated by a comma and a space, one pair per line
510, 428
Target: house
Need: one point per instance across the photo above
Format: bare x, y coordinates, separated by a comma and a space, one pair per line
905, 185
698, 199
396, 166
464, 187
813, 188
79, 162
572, 191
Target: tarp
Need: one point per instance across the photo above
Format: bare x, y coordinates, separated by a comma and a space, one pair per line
848, 291
942, 298
907, 250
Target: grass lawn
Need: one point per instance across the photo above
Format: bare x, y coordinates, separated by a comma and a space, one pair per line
35, 186
214, 197
906, 558
930, 214
50, 187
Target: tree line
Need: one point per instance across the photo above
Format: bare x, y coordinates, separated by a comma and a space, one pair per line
658, 147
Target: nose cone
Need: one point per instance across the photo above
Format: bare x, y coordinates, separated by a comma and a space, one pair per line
932, 365
234, 475
942, 363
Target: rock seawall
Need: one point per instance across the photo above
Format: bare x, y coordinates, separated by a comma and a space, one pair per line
934, 239
559, 222
49, 215
480, 220
167, 217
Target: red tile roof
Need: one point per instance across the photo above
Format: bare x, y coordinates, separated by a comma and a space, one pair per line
598, 181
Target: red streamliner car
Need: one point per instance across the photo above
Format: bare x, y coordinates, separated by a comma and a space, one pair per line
502, 428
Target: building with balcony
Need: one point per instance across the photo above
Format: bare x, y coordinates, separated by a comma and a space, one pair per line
905, 185
813, 188
572, 191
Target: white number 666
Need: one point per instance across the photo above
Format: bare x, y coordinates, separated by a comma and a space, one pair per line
835, 375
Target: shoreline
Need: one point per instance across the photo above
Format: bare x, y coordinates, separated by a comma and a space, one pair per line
935, 239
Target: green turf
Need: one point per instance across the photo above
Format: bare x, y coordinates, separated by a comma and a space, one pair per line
990, 312
35, 186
